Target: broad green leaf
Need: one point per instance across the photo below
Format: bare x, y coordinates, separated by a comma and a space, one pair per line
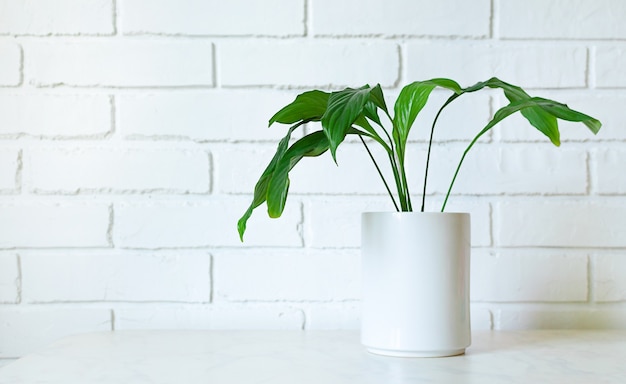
309, 105
261, 187
313, 144
536, 116
409, 104
378, 98
343, 109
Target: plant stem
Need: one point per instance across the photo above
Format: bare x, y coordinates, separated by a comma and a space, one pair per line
430, 144
405, 185
445, 201
379, 173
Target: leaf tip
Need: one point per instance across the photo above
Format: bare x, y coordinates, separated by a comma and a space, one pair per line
241, 228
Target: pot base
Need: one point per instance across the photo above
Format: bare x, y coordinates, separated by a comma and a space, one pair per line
396, 353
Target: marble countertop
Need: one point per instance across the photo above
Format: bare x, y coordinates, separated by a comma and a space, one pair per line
328, 357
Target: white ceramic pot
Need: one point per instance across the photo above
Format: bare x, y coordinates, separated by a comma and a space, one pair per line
415, 298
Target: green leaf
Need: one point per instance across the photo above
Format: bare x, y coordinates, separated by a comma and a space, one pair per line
313, 144
563, 112
309, 106
261, 187
371, 112
544, 122
409, 104
344, 107
378, 98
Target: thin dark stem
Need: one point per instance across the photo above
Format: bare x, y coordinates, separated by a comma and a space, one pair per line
430, 144
445, 201
380, 173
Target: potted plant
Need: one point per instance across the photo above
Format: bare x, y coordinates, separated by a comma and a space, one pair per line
415, 264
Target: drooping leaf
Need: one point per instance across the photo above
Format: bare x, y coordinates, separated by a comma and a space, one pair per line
563, 112
261, 187
560, 110
309, 106
544, 122
313, 144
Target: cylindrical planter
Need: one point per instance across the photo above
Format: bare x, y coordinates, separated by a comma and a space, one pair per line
415, 276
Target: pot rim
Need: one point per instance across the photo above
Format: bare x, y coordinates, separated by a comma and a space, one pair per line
393, 213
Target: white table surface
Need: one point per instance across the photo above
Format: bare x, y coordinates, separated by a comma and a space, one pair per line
328, 357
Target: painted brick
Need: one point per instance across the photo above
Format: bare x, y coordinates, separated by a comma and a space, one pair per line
336, 223
609, 171
563, 19
10, 63
528, 276
9, 278
54, 116
64, 17
214, 223
35, 225
404, 17
609, 284
8, 169
512, 319
206, 116
605, 108
127, 63
308, 64
333, 316
537, 66
560, 224
213, 17
215, 316
24, 330
119, 170
609, 61
116, 277
286, 275
492, 169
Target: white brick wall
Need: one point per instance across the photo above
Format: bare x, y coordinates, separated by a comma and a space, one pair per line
306, 63
118, 170
213, 17
9, 278
8, 170
64, 17
115, 63
56, 116
10, 61
113, 277
132, 133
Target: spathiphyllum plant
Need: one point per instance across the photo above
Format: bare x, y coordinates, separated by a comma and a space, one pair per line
358, 112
